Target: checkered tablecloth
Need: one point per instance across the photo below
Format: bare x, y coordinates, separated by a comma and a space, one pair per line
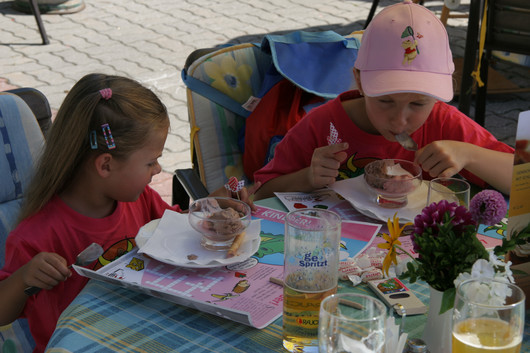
108, 318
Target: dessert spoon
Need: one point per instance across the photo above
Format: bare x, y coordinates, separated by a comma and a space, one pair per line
85, 257
406, 141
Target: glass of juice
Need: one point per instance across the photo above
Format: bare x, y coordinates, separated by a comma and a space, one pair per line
488, 317
311, 268
352, 323
450, 189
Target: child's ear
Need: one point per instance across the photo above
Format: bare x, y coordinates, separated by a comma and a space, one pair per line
103, 164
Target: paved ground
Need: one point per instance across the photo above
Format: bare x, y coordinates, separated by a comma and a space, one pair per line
149, 40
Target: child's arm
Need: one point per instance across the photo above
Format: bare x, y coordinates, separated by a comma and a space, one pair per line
446, 158
324, 169
45, 271
295, 182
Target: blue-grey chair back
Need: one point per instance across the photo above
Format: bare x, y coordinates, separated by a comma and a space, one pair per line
22, 141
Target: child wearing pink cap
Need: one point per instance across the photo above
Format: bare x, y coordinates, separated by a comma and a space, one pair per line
404, 77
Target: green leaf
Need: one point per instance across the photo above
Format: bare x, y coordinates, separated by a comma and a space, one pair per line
448, 300
519, 272
516, 238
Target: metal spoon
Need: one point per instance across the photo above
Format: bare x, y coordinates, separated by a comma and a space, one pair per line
85, 257
406, 141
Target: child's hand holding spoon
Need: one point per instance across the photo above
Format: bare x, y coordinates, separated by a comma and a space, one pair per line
85, 257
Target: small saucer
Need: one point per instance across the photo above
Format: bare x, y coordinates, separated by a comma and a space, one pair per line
172, 240
363, 200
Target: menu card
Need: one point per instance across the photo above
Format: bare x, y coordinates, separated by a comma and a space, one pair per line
519, 212
240, 292
323, 198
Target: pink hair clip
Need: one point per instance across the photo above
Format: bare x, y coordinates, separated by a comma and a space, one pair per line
109, 140
106, 93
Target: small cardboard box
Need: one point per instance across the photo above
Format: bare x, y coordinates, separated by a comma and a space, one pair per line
519, 212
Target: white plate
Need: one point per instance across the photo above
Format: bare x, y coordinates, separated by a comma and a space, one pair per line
362, 199
146, 232
171, 239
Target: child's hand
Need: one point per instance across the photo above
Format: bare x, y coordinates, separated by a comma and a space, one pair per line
325, 164
45, 270
244, 194
442, 158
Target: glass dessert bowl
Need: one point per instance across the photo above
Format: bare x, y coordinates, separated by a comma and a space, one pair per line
219, 220
392, 180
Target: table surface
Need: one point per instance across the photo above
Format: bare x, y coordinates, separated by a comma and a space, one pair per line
109, 318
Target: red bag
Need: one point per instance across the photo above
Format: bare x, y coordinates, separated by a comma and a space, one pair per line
280, 109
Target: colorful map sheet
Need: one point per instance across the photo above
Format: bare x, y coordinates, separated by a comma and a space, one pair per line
241, 292
490, 236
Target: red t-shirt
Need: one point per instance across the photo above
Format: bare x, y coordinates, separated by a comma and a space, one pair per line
294, 152
59, 229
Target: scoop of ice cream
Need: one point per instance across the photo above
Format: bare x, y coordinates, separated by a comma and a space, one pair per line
390, 177
395, 170
225, 221
209, 206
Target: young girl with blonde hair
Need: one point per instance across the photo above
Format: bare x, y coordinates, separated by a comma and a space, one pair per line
91, 185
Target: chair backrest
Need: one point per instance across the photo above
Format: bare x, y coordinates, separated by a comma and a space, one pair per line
226, 86
22, 138
214, 129
23, 141
508, 26
39, 105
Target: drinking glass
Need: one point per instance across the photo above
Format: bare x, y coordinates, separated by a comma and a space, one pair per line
488, 317
450, 189
311, 270
353, 323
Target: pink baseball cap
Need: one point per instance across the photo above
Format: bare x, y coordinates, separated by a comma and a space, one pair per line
406, 49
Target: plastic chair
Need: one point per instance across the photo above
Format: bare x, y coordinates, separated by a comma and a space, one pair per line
38, 104
226, 85
186, 182
507, 30
23, 140
444, 16
215, 153
36, 12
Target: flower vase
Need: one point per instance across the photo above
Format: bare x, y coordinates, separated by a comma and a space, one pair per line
438, 328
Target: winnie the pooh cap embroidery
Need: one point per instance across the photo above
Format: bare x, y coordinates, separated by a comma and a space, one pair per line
406, 49
410, 45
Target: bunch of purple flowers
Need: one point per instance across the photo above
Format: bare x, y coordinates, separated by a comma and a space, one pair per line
445, 239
